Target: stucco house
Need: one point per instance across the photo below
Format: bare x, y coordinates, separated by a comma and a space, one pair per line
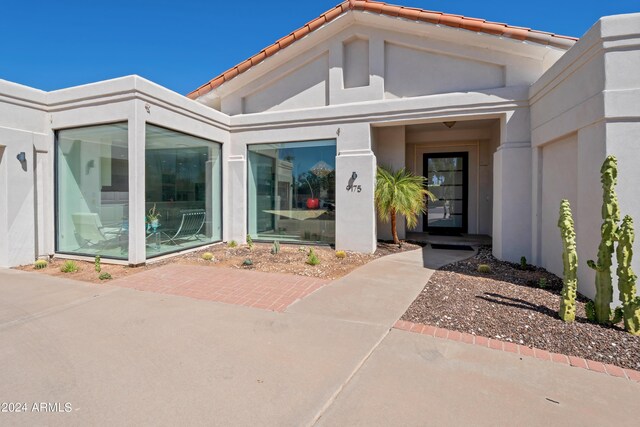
503, 121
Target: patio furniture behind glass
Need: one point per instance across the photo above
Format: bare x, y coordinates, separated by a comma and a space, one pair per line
190, 227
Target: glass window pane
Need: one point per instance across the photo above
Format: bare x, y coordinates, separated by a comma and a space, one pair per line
445, 179
183, 176
292, 191
92, 190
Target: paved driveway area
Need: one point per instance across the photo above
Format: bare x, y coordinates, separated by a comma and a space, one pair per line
122, 356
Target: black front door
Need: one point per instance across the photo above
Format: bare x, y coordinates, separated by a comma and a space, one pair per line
447, 178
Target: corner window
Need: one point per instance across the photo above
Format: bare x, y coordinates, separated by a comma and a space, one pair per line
183, 176
92, 191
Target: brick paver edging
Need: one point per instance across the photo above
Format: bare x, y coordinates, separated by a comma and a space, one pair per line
522, 350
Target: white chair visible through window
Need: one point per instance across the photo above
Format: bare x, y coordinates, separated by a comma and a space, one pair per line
191, 225
90, 233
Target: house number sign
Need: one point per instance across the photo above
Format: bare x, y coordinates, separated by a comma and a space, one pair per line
351, 187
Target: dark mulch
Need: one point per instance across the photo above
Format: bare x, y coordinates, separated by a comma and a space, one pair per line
509, 305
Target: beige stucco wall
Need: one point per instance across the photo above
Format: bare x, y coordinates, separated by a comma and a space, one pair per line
416, 72
559, 171
22, 130
361, 57
389, 144
304, 87
583, 109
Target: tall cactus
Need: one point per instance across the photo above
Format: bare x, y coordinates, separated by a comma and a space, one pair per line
611, 216
627, 278
567, 310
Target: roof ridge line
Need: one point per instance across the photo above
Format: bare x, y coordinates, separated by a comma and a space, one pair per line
477, 25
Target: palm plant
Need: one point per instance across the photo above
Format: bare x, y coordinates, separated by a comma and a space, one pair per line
400, 192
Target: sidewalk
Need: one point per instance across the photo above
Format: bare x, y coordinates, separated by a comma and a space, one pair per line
379, 292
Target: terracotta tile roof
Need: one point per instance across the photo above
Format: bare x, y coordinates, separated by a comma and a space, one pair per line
411, 13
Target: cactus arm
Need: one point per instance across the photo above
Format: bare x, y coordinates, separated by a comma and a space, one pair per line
627, 278
593, 265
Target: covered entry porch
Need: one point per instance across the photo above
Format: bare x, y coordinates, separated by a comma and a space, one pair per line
457, 159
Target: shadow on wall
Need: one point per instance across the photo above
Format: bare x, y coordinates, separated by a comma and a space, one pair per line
438, 258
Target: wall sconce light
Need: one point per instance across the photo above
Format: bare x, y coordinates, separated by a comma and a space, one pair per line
22, 158
354, 176
90, 165
449, 124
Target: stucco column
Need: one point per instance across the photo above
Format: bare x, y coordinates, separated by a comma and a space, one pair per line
512, 202
355, 211
236, 226
390, 148
137, 207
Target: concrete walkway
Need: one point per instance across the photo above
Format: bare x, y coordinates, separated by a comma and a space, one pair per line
381, 291
122, 356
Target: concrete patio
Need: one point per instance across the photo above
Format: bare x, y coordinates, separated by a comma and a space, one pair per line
120, 355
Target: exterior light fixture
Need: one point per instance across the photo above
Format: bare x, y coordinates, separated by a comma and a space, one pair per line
22, 158
90, 165
449, 124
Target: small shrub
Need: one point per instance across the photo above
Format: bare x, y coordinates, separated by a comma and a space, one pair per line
542, 283
312, 258
207, 256
69, 267
523, 263
105, 276
484, 269
97, 265
341, 254
40, 264
249, 242
275, 249
232, 244
247, 262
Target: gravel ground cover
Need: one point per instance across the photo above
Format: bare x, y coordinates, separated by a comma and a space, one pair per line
509, 304
291, 259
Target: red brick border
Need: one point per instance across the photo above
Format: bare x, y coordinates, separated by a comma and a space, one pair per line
250, 288
578, 362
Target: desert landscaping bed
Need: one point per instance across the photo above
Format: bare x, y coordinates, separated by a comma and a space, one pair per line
508, 304
291, 259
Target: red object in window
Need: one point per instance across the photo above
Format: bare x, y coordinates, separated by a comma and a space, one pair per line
313, 203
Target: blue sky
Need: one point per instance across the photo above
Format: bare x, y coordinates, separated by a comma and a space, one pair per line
182, 44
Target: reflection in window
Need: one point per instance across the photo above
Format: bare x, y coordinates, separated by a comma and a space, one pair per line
446, 180
183, 191
92, 190
292, 191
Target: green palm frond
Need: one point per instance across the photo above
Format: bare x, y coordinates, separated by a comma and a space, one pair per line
401, 192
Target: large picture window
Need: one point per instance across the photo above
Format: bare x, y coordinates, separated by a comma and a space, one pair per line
92, 191
183, 178
292, 191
